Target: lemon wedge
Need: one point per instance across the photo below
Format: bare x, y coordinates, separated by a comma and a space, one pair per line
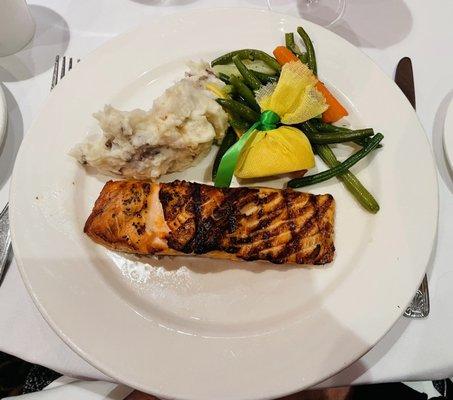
294, 97
274, 152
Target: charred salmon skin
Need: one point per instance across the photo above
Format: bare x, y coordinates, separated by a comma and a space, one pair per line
185, 218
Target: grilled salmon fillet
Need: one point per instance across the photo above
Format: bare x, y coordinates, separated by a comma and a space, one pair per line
177, 218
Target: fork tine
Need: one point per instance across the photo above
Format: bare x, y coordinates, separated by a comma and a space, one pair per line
60, 69
63, 68
55, 72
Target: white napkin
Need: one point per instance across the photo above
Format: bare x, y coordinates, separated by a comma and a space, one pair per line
71, 389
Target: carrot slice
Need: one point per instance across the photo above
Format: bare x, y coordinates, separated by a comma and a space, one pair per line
284, 55
335, 111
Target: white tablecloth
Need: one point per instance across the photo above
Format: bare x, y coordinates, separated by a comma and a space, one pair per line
385, 29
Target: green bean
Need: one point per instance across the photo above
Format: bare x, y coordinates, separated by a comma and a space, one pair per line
264, 78
228, 141
323, 127
245, 92
351, 182
338, 169
224, 77
303, 58
251, 54
291, 44
251, 80
239, 126
365, 131
240, 109
241, 100
311, 56
232, 114
340, 137
363, 142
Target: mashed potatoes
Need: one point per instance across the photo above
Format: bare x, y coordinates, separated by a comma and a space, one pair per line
175, 134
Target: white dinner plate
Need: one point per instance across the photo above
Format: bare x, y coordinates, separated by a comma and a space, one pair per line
191, 328
448, 135
3, 114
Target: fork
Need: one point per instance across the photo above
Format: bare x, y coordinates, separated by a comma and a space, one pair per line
60, 70
5, 241
61, 66
419, 307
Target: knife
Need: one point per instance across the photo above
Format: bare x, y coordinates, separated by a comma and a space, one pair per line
404, 78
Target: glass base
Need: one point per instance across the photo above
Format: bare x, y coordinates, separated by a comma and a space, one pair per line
321, 12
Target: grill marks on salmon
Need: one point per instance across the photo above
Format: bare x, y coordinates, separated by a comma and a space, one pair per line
280, 226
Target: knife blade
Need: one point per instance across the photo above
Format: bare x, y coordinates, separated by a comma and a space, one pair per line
404, 78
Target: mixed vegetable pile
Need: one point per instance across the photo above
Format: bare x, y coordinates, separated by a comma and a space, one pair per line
245, 72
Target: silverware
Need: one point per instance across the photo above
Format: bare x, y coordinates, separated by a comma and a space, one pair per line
60, 69
5, 241
404, 78
419, 307
61, 66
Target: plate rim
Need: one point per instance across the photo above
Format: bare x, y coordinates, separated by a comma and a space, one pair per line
3, 114
97, 363
448, 136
